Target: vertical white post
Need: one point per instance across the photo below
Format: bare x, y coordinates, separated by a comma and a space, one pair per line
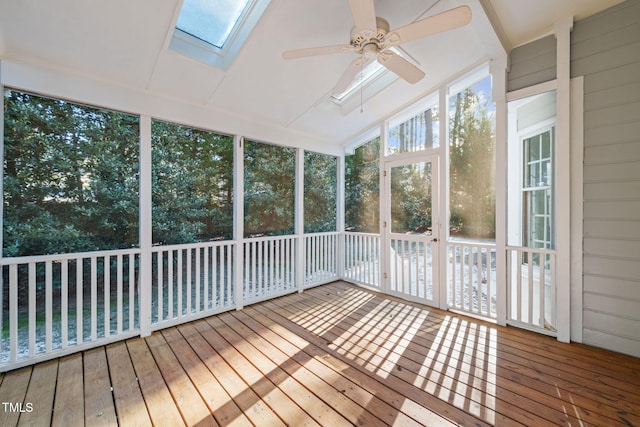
563, 178
577, 200
238, 221
340, 213
384, 211
146, 237
301, 255
498, 70
441, 288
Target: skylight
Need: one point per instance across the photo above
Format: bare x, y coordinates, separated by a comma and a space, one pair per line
213, 31
211, 21
373, 78
367, 74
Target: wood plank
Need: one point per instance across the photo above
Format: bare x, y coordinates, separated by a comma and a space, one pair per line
360, 388
333, 355
590, 362
506, 382
189, 402
130, 405
13, 390
68, 409
199, 336
162, 408
409, 391
98, 399
440, 380
40, 395
220, 404
282, 376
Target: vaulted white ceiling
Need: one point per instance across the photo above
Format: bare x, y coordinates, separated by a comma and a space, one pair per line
124, 43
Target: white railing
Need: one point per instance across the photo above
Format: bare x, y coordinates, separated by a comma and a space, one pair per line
269, 267
321, 258
362, 259
471, 273
411, 267
191, 281
531, 288
56, 304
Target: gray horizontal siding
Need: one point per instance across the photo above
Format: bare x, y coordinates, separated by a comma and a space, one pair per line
605, 48
532, 64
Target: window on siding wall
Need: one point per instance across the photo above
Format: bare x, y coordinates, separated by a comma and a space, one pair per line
70, 177
320, 184
362, 188
472, 163
531, 177
192, 184
269, 189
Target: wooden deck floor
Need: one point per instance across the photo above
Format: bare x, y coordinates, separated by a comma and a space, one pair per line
334, 355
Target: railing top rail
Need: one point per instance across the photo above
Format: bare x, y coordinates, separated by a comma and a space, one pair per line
67, 256
532, 250
323, 233
208, 244
270, 238
356, 233
469, 243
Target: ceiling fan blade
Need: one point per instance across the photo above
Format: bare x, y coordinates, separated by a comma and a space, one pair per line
348, 76
400, 66
313, 51
364, 14
444, 21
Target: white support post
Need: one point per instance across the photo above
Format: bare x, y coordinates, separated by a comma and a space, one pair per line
443, 200
563, 178
238, 220
384, 210
340, 212
577, 208
498, 70
146, 230
299, 220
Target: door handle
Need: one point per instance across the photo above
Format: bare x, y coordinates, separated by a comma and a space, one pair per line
435, 240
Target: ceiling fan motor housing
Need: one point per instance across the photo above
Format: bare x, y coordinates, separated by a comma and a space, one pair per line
361, 39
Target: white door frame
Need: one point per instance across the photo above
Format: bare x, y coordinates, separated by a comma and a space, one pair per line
438, 288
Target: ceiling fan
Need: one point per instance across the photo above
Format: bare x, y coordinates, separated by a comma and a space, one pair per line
371, 39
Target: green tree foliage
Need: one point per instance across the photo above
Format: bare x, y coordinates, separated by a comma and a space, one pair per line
320, 188
192, 184
411, 210
70, 177
415, 134
362, 188
472, 165
269, 189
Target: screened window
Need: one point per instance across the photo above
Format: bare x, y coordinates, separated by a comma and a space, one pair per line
320, 184
471, 162
192, 184
269, 189
362, 188
70, 177
418, 133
